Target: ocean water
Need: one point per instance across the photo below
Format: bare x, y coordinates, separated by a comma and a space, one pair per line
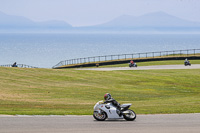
46, 50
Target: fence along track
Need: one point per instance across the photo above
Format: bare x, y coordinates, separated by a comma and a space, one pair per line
18, 65
124, 57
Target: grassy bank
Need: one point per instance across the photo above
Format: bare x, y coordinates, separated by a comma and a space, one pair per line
59, 92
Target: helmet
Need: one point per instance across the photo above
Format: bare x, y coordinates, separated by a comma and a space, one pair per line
107, 96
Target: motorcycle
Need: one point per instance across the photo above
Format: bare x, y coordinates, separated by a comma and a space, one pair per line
132, 65
109, 111
187, 63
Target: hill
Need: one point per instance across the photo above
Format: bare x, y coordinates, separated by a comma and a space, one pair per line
156, 21
11, 22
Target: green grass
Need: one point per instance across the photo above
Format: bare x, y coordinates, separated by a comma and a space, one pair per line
73, 92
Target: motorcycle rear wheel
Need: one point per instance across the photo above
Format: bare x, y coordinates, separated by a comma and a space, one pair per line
130, 116
100, 117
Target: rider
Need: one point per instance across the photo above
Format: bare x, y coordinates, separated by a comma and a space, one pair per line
108, 99
15, 64
132, 62
186, 60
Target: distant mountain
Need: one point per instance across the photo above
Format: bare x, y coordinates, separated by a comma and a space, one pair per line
54, 24
17, 22
14, 21
152, 22
156, 19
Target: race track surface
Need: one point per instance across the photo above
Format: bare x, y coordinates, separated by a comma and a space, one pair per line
194, 66
169, 123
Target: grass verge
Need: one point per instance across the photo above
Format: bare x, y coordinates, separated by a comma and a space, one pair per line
73, 92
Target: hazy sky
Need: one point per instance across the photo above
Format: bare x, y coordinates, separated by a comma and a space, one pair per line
91, 12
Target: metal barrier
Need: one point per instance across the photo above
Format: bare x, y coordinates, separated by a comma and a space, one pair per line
97, 59
18, 65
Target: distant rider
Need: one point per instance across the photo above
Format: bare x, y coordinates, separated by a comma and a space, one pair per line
108, 99
186, 60
15, 64
132, 62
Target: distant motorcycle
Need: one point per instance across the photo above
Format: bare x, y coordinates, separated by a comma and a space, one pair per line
187, 63
132, 65
109, 111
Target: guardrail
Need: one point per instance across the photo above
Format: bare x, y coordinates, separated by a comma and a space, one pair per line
18, 65
97, 59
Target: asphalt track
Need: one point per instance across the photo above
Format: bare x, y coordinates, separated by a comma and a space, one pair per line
168, 123
194, 66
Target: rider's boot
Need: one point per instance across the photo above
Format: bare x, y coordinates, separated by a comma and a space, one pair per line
119, 112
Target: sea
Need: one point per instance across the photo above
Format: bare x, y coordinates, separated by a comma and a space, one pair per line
45, 50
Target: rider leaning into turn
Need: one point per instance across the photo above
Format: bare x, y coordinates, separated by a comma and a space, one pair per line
108, 99
186, 60
132, 62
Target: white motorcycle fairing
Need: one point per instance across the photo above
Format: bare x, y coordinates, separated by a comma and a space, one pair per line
109, 109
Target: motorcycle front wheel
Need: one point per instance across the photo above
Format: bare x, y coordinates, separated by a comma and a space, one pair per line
99, 116
130, 116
